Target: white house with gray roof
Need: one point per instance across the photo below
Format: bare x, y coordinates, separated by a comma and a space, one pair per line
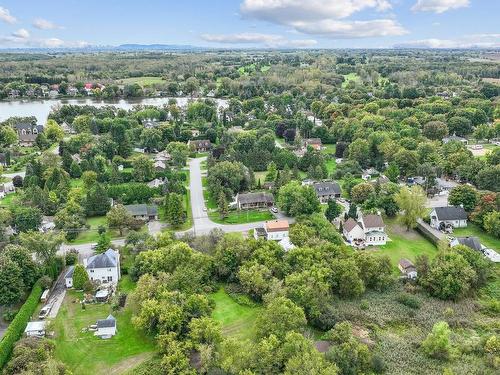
104, 267
106, 328
448, 217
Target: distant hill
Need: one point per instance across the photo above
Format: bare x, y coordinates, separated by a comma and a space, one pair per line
157, 47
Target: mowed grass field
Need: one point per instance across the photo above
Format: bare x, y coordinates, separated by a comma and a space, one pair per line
142, 81
404, 244
237, 321
84, 353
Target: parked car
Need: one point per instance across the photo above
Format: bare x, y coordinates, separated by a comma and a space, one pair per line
44, 312
274, 210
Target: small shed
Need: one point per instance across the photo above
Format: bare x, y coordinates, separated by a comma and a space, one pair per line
35, 329
106, 328
407, 268
102, 295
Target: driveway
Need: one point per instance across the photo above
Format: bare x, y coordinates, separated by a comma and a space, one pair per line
438, 201
85, 250
57, 295
201, 222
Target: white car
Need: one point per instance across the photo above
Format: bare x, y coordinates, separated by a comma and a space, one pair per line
44, 312
274, 210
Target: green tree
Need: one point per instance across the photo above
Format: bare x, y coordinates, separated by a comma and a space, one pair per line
333, 210
175, 210
435, 130
437, 344
23, 258
271, 172
280, 317
392, 172
143, 169
222, 205
295, 199
26, 218
74, 170
361, 192
103, 243
179, 152
44, 245
80, 277
412, 204
491, 223
11, 281
89, 179
119, 218
463, 195
97, 202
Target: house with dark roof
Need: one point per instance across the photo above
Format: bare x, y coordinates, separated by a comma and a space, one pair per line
104, 268
200, 145
327, 190
106, 328
254, 200
27, 133
447, 218
144, 212
473, 242
456, 138
407, 268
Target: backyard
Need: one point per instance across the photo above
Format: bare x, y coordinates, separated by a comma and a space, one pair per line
473, 230
84, 353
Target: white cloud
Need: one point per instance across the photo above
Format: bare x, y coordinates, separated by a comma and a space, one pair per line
286, 11
438, 6
6, 16
21, 33
268, 40
351, 29
44, 24
467, 41
324, 17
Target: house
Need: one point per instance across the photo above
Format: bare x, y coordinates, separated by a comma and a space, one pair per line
104, 267
35, 329
150, 123
68, 278
407, 268
163, 156
353, 232
374, 229
156, 183
327, 190
315, 143
455, 138
200, 145
68, 129
443, 218
106, 328
72, 91
27, 133
276, 230
254, 200
144, 212
473, 242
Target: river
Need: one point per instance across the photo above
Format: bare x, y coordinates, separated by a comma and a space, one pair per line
41, 108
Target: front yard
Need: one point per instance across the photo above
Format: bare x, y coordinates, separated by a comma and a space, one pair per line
84, 353
241, 217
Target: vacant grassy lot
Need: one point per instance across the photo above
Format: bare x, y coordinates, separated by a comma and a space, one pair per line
350, 77
8, 201
237, 320
473, 230
84, 353
92, 234
143, 81
241, 217
405, 244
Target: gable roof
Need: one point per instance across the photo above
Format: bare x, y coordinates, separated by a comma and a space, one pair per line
450, 213
259, 197
350, 224
104, 260
327, 188
406, 264
373, 221
109, 322
473, 242
313, 141
142, 209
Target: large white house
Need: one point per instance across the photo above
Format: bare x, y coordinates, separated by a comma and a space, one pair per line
104, 267
274, 230
369, 230
443, 218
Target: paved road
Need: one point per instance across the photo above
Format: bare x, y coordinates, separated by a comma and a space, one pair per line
201, 221
438, 200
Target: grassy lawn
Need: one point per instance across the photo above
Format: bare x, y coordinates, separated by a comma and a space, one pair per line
331, 166
236, 320
473, 230
242, 217
350, 77
84, 353
405, 244
260, 176
142, 81
210, 203
8, 200
92, 235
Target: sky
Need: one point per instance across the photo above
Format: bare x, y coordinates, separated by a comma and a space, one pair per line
251, 23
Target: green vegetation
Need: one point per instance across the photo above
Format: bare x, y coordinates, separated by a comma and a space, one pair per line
351, 77
241, 216
8, 200
237, 320
84, 353
17, 326
143, 81
474, 230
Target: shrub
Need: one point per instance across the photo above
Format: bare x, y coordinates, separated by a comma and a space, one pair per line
80, 277
409, 301
46, 282
71, 257
9, 315
16, 328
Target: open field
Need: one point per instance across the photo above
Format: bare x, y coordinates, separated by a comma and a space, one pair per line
473, 230
236, 320
84, 353
404, 244
142, 81
242, 217
350, 77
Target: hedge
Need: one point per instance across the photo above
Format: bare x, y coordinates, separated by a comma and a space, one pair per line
18, 325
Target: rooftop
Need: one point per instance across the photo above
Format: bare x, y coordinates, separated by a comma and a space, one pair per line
450, 213
277, 225
373, 221
104, 260
248, 198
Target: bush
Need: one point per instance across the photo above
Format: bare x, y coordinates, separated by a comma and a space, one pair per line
409, 301
71, 257
16, 328
46, 282
9, 315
